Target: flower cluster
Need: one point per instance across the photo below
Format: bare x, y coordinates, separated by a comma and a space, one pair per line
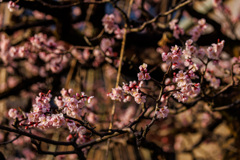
190, 60
214, 51
185, 59
125, 92
77, 129
38, 48
189, 49
43, 116
98, 55
71, 105
110, 26
173, 57
185, 86
143, 75
214, 82
176, 29
198, 30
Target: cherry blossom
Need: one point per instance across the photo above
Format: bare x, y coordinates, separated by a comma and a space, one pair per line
12, 6
125, 92
177, 31
214, 51
43, 117
108, 23
198, 30
162, 112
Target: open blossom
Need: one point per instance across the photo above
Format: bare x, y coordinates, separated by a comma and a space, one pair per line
173, 57
125, 92
72, 126
13, 113
106, 43
143, 75
70, 104
193, 67
189, 49
38, 47
163, 112
43, 117
12, 6
81, 130
139, 98
215, 83
198, 30
57, 120
176, 29
108, 23
186, 87
214, 51
116, 94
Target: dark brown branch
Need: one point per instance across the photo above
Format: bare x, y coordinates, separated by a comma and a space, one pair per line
58, 5
20, 132
155, 19
225, 107
3, 143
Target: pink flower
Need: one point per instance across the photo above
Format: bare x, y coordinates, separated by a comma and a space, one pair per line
173, 23
143, 67
106, 43
13, 113
69, 138
90, 99
147, 76
139, 98
119, 33
127, 99
185, 85
215, 83
116, 94
173, 57
163, 112
57, 120
198, 30
72, 127
82, 130
176, 29
143, 75
12, 6
214, 51
108, 23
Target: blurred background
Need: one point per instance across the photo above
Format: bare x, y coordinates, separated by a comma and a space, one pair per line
200, 132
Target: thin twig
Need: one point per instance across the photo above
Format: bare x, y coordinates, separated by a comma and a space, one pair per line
119, 70
3, 143
153, 20
72, 4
